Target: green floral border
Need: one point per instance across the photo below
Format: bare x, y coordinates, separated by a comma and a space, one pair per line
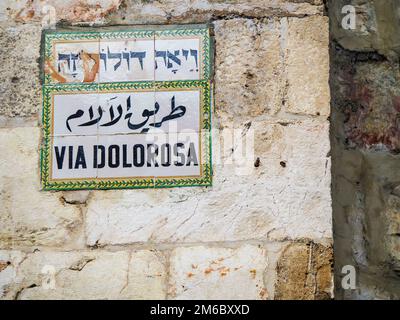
205, 178
206, 175
123, 34
173, 31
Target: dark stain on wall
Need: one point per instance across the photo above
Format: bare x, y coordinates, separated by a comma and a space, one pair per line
365, 138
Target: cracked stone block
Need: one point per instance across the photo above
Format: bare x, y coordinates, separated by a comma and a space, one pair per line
248, 68
87, 275
76, 196
307, 65
9, 261
304, 271
29, 216
218, 273
286, 197
19, 70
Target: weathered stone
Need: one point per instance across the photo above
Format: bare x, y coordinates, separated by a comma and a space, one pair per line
73, 275
373, 103
393, 234
248, 67
218, 273
371, 285
29, 216
304, 272
365, 95
195, 11
295, 198
52, 11
360, 38
88, 275
381, 219
76, 197
263, 71
147, 276
19, 70
307, 65
376, 26
9, 261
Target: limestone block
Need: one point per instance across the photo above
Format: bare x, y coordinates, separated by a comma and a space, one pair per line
30, 216
88, 275
304, 271
19, 70
286, 197
9, 261
218, 273
197, 11
248, 67
52, 11
147, 276
307, 66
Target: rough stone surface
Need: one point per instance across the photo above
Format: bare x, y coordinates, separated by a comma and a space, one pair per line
76, 197
9, 261
304, 272
72, 11
365, 148
307, 66
293, 182
198, 11
225, 241
28, 216
147, 276
377, 23
366, 207
371, 99
253, 80
217, 273
19, 70
86, 275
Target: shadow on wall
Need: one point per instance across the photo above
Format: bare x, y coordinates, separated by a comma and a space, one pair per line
365, 139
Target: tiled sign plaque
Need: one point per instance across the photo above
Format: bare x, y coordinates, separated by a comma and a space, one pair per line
127, 108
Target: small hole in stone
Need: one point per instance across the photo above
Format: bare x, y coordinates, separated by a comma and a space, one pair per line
318, 114
283, 164
257, 162
249, 75
14, 79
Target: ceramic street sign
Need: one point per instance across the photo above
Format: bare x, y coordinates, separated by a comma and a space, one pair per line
127, 108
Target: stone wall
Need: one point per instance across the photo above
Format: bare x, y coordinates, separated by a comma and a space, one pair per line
261, 235
365, 148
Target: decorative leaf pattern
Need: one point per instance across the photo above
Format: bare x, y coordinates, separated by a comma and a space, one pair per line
139, 34
50, 88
